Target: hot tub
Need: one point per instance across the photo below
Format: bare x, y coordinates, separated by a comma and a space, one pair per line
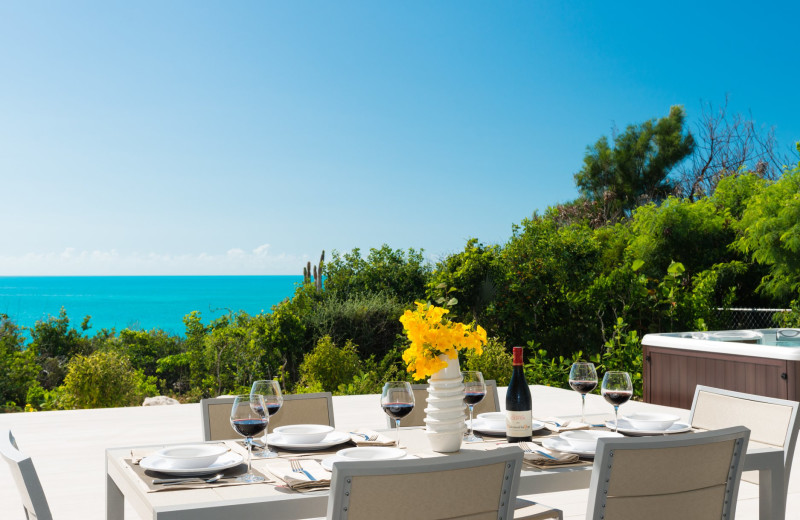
762, 361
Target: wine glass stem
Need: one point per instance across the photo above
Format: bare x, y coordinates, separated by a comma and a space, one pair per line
583, 407
397, 427
249, 454
471, 428
616, 418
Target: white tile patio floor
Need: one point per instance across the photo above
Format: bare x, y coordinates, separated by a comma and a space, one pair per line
68, 449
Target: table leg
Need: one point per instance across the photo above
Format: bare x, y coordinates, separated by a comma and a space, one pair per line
115, 500
771, 494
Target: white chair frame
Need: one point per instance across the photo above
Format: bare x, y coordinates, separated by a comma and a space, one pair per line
30, 489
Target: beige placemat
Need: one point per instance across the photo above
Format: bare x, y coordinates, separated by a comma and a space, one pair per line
147, 476
299, 481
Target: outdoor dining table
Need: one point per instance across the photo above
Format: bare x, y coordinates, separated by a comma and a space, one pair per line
274, 501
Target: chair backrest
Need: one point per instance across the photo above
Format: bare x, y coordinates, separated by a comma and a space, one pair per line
490, 403
691, 475
771, 421
297, 409
470, 485
30, 489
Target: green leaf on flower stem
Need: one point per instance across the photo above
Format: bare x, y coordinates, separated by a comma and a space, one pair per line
637, 264
440, 300
453, 301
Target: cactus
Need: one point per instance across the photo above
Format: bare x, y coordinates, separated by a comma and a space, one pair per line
316, 272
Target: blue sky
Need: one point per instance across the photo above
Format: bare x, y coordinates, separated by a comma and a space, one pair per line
244, 137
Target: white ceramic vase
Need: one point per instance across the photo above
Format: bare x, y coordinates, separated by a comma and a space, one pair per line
444, 415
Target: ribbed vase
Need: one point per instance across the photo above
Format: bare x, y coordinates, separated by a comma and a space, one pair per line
444, 415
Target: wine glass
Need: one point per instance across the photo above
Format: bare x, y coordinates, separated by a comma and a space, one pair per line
270, 390
397, 400
474, 392
248, 418
617, 390
583, 379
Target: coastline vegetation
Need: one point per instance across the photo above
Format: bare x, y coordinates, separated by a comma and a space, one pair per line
584, 280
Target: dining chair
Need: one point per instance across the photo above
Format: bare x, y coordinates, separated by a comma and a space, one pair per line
474, 485
297, 409
690, 475
30, 489
771, 421
490, 403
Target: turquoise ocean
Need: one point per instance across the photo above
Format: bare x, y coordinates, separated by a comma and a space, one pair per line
139, 302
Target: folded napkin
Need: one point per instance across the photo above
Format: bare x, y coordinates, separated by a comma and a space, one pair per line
299, 481
362, 438
537, 456
558, 425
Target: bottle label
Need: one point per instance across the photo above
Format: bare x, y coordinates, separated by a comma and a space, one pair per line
518, 423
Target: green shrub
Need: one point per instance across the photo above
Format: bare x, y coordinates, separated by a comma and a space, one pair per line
105, 380
370, 320
330, 366
402, 274
494, 363
18, 367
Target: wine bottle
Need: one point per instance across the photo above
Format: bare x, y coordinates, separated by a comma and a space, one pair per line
518, 403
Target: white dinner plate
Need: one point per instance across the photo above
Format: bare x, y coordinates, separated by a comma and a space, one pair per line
332, 439
225, 461
484, 427
328, 463
627, 428
559, 444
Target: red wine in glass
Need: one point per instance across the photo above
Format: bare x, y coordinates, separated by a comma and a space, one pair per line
397, 410
617, 398
617, 389
249, 427
583, 379
270, 389
583, 387
248, 418
397, 400
474, 392
473, 398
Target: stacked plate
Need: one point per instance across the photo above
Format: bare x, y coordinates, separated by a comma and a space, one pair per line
579, 442
307, 437
650, 424
191, 459
370, 453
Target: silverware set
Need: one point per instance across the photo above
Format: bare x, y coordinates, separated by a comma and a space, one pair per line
297, 467
531, 448
370, 438
189, 480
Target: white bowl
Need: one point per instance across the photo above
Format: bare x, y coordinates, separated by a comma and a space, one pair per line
446, 413
586, 440
190, 456
444, 442
494, 420
651, 421
303, 433
370, 453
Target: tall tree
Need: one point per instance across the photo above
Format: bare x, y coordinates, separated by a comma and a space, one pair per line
636, 169
726, 144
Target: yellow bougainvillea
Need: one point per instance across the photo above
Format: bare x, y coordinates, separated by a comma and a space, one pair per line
432, 335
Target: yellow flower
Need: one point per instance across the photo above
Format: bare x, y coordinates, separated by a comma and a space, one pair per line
431, 335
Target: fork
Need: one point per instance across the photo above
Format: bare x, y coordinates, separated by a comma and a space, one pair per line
371, 437
527, 448
297, 467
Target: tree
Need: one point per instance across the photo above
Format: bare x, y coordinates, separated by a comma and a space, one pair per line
636, 169
725, 145
770, 228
